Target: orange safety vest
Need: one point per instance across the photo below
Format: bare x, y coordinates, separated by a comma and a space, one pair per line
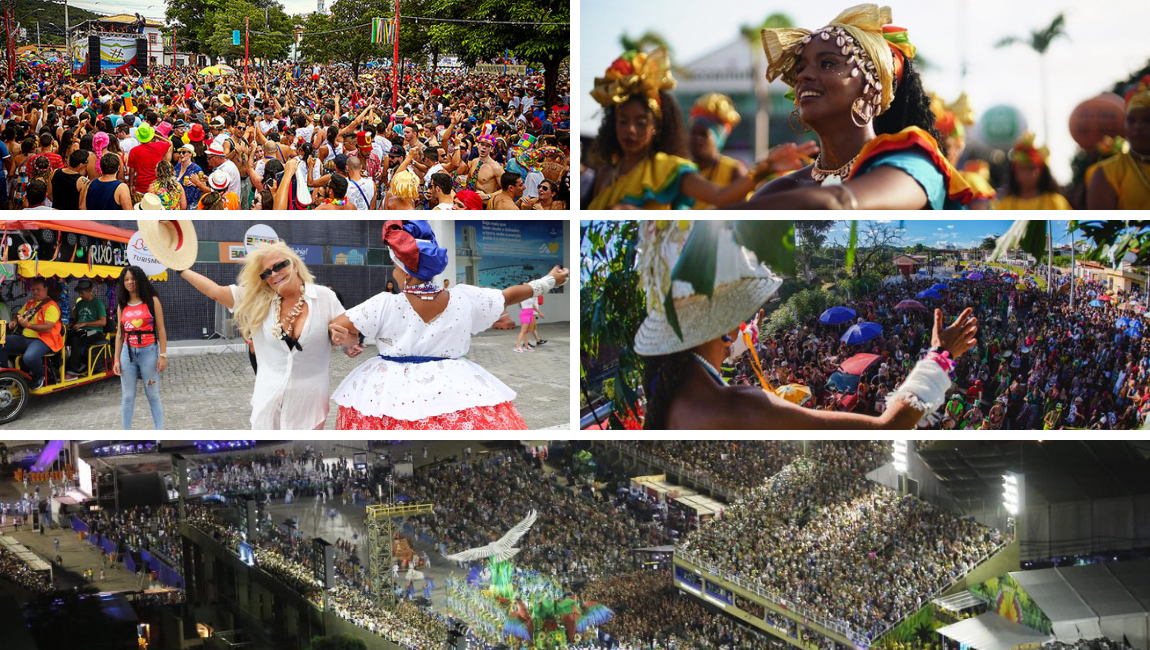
53, 338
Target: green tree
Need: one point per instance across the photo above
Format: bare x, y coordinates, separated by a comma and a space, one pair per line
545, 45
811, 236
264, 45
337, 642
352, 45
647, 42
189, 20
988, 244
1040, 41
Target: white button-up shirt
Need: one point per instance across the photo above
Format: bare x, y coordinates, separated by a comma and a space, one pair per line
292, 387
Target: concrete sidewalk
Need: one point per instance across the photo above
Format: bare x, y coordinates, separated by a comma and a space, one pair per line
213, 391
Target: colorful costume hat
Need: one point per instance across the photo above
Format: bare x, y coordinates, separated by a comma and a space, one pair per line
950, 119
1139, 95
1024, 151
717, 111
635, 73
878, 49
414, 249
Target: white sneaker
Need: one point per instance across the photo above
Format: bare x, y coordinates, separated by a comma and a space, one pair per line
530, 349
520, 350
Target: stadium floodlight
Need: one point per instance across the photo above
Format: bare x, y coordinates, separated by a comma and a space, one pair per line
900, 456
1012, 493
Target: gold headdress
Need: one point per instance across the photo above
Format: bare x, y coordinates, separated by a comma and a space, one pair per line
635, 73
863, 31
950, 119
1139, 95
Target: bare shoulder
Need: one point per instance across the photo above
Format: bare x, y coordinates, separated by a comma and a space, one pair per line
787, 182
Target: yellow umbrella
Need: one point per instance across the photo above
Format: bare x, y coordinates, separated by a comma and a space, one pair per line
794, 393
217, 69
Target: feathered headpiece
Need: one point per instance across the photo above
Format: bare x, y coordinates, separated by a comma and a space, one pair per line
414, 249
635, 73
878, 48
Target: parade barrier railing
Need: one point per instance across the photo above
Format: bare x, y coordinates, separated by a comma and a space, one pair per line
694, 476
163, 571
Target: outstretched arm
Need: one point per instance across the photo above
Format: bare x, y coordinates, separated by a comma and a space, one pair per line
521, 292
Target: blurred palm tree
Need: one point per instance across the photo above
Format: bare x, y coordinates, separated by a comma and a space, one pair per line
759, 63
647, 42
1040, 42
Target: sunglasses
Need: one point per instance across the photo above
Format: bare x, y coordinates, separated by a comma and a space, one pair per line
275, 269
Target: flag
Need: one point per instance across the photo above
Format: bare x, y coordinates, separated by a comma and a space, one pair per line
383, 31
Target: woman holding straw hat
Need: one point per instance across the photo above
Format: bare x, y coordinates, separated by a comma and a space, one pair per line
421, 380
280, 308
683, 386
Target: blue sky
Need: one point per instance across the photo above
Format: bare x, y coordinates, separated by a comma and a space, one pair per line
938, 233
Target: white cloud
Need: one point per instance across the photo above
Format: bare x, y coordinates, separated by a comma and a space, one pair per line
951, 226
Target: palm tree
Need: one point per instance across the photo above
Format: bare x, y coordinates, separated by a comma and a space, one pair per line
647, 42
762, 95
1040, 42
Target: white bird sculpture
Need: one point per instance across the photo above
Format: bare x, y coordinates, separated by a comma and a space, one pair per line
500, 550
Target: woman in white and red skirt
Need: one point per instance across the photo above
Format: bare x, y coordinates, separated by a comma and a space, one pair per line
420, 379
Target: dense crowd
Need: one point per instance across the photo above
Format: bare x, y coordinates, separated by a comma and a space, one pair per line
825, 541
731, 464
651, 613
1039, 363
284, 138
14, 569
478, 502
156, 530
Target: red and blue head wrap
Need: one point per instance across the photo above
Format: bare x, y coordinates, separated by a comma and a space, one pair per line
414, 249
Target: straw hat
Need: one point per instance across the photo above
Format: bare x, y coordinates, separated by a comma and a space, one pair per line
173, 243
149, 202
226, 100
741, 287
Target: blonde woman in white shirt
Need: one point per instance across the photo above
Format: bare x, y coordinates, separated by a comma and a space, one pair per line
280, 308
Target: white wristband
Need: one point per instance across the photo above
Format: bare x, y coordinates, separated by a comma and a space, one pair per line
542, 285
924, 390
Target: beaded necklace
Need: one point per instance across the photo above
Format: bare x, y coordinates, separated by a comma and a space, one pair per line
426, 291
709, 368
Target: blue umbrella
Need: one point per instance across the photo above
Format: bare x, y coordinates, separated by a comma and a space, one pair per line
1134, 333
975, 276
861, 333
929, 293
940, 286
837, 316
1122, 323
1096, 303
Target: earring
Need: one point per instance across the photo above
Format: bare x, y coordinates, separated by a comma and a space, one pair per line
862, 112
802, 127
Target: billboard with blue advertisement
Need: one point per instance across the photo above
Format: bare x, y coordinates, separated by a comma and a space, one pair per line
344, 256
501, 254
311, 255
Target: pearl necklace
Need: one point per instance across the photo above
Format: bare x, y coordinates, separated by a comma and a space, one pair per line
426, 291
277, 329
820, 174
709, 368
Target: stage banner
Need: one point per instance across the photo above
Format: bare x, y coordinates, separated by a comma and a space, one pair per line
499, 68
501, 254
129, 563
78, 525
78, 52
117, 55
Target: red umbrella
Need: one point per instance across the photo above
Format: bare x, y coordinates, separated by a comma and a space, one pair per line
858, 364
910, 305
436, 91
1105, 298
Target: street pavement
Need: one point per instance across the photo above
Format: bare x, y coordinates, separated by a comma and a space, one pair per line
213, 391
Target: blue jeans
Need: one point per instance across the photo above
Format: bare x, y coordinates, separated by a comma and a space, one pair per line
140, 363
33, 351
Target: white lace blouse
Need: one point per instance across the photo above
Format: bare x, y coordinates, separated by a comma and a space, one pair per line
415, 391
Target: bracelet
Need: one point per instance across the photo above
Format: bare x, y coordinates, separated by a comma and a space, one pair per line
542, 285
923, 390
854, 203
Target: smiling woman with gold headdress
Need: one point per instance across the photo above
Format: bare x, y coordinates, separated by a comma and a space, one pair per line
1124, 183
641, 136
856, 86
